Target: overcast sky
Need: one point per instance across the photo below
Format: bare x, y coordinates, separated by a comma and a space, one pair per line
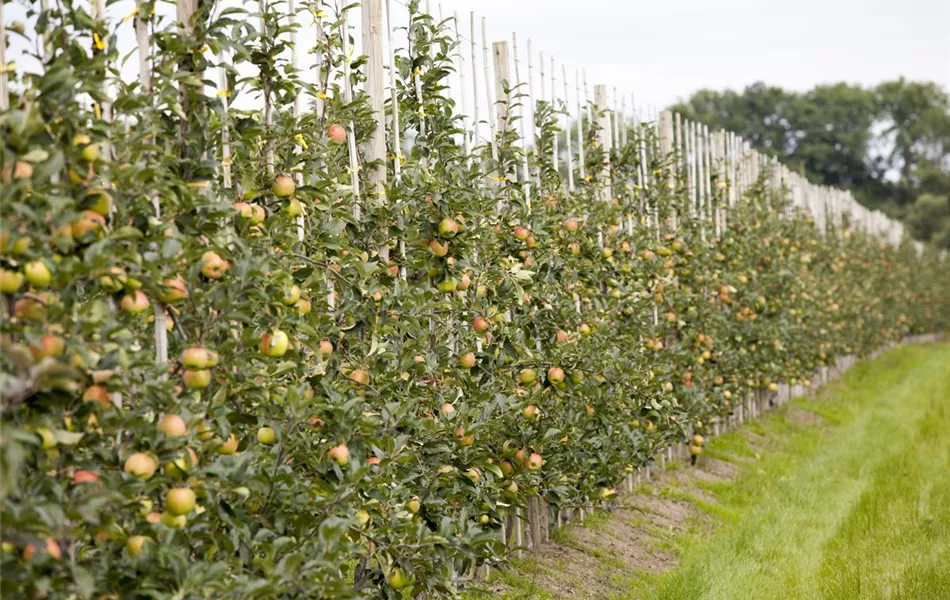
663, 50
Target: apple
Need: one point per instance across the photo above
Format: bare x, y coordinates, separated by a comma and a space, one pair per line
467, 360
173, 290
195, 357
464, 282
339, 454
10, 281
180, 500
698, 440
530, 242
284, 186
529, 412
37, 273
244, 209
462, 439
52, 548
527, 376
88, 223
84, 476
414, 506
447, 286
325, 348
521, 234
506, 467
172, 426
473, 474
99, 201
172, 521
229, 447
480, 325
534, 462
50, 345
438, 249
555, 375
584, 329
258, 214
448, 228
571, 225
447, 409
140, 465
274, 344
336, 133
96, 393
291, 295
266, 435
561, 336
213, 266
397, 579
135, 302
359, 376
197, 380
136, 544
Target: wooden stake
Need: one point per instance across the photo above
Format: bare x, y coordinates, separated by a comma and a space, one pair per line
567, 132
502, 79
394, 98
605, 193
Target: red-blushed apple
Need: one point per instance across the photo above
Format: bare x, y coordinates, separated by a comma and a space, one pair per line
89, 225
448, 228
534, 462
180, 500
584, 329
174, 290
284, 186
140, 465
480, 325
462, 439
474, 474
561, 336
195, 357
325, 349
197, 380
228, 447
521, 234
136, 544
530, 242
135, 302
37, 273
172, 426
555, 375
213, 266
84, 476
467, 360
447, 410
274, 344
303, 307
464, 282
336, 133
359, 376
339, 454
529, 412
50, 345
506, 467
97, 393
571, 225
438, 249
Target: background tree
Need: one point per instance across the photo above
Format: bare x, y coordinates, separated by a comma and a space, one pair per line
889, 144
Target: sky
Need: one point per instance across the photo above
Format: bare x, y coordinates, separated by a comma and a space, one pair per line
663, 50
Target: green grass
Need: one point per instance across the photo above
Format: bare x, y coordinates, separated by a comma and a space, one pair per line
858, 510
854, 508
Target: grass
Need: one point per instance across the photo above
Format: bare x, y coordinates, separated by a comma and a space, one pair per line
854, 508
859, 510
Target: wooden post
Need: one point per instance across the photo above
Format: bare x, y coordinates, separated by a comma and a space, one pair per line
525, 168
534, 522
665, 130
488, 94
502, 83
4, 92
475, 121
394, 98
580, 128
603, 137
554, 151
567, 133
351, 137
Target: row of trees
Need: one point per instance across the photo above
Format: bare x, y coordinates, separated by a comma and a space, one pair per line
889, 144
359, 390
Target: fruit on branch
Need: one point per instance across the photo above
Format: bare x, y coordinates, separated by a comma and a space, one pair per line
266, 436
336, 133
534, 462
10, 281
99, 201
140, 465
274, 343
136, 544
180, 500
467, 360
37, 273
174, 290
529, 412
571, 225
284, 186
229, 446
173, 426
303, 307
339, 454
584, 329
197, 380
135, 302
438, 249
89, 225
90, 151
359, 376
84, 476
50, 345
291, 295
325, 348
195, 357
213, 266
448, 227
397, 579
173, 521
480, 325
521, 234
527, 376
556, 375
